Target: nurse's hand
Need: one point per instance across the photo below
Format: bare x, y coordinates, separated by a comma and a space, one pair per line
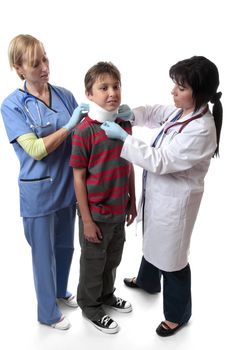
77, 116
125, 113
114, 131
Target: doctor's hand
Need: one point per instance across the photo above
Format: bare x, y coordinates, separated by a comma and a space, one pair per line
114, 131
77, 116
125, 113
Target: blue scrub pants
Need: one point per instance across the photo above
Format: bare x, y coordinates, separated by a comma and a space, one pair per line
176, 290
51, 239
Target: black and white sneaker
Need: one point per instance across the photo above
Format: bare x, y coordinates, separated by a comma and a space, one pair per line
106, 324
121, 305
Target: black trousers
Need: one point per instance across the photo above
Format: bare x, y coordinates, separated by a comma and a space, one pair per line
177, 305
98, 265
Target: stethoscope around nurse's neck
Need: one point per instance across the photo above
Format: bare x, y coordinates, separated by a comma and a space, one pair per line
34, 123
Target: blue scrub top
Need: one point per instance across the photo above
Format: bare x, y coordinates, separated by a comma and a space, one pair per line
47, 185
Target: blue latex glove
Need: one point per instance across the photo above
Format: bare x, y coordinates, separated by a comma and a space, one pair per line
125, 113
77, 116
114, 131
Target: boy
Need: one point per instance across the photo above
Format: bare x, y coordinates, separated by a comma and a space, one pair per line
104, 187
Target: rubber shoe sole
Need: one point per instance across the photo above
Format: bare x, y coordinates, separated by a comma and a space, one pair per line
62, 325
130, 282
71, 301
109, 329
125, 310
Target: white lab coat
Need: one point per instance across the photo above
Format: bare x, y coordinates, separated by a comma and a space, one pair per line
176, 169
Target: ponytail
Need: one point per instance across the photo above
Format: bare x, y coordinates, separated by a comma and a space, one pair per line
217, 112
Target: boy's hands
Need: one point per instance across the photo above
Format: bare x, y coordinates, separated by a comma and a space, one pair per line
132, 213
92, 232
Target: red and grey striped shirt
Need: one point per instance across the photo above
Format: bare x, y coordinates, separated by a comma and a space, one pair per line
107, 176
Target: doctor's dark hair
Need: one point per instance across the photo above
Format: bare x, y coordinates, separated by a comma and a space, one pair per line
19, 45
202, 76
99, 70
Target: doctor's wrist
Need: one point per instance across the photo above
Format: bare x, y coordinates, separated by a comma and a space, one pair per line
123, 135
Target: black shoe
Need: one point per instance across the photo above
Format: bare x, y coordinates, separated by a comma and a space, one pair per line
165, 331
106, 324
121, 305
131, 282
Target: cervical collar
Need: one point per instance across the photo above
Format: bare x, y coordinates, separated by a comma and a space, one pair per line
101, 115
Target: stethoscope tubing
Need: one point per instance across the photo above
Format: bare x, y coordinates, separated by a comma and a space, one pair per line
185, 122
182, 124
27, 96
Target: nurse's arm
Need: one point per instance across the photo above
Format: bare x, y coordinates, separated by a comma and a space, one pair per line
92, 232
54, 140
40, 148
33, 146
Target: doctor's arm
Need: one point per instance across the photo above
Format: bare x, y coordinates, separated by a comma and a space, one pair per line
152, 116
92, 232
185, 150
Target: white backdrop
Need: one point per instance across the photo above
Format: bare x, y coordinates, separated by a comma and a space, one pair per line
143, 39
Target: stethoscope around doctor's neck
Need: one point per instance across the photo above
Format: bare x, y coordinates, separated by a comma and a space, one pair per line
180, 123
173, 122
37, 122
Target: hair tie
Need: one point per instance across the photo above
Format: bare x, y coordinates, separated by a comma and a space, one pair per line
216, 97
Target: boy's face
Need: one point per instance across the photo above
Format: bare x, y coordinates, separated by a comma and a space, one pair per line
106, 92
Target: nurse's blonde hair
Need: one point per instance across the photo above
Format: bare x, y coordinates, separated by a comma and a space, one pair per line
19, 45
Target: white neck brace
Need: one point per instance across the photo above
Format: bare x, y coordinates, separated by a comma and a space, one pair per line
101, 115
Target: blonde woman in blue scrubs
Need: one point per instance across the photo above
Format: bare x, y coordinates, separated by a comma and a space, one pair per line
38, 118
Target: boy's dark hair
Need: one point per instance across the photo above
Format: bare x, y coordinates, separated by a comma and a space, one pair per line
202, 76
98, 70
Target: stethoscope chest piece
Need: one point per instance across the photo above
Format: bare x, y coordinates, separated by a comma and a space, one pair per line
35, 121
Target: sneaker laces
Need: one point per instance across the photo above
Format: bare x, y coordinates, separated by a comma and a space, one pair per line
120, 302
105, 320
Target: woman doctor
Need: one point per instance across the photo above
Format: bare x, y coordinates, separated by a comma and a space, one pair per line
38, 120
186, 138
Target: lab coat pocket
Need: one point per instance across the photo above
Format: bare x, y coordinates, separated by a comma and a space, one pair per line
167, 212
36, 196
164, 229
